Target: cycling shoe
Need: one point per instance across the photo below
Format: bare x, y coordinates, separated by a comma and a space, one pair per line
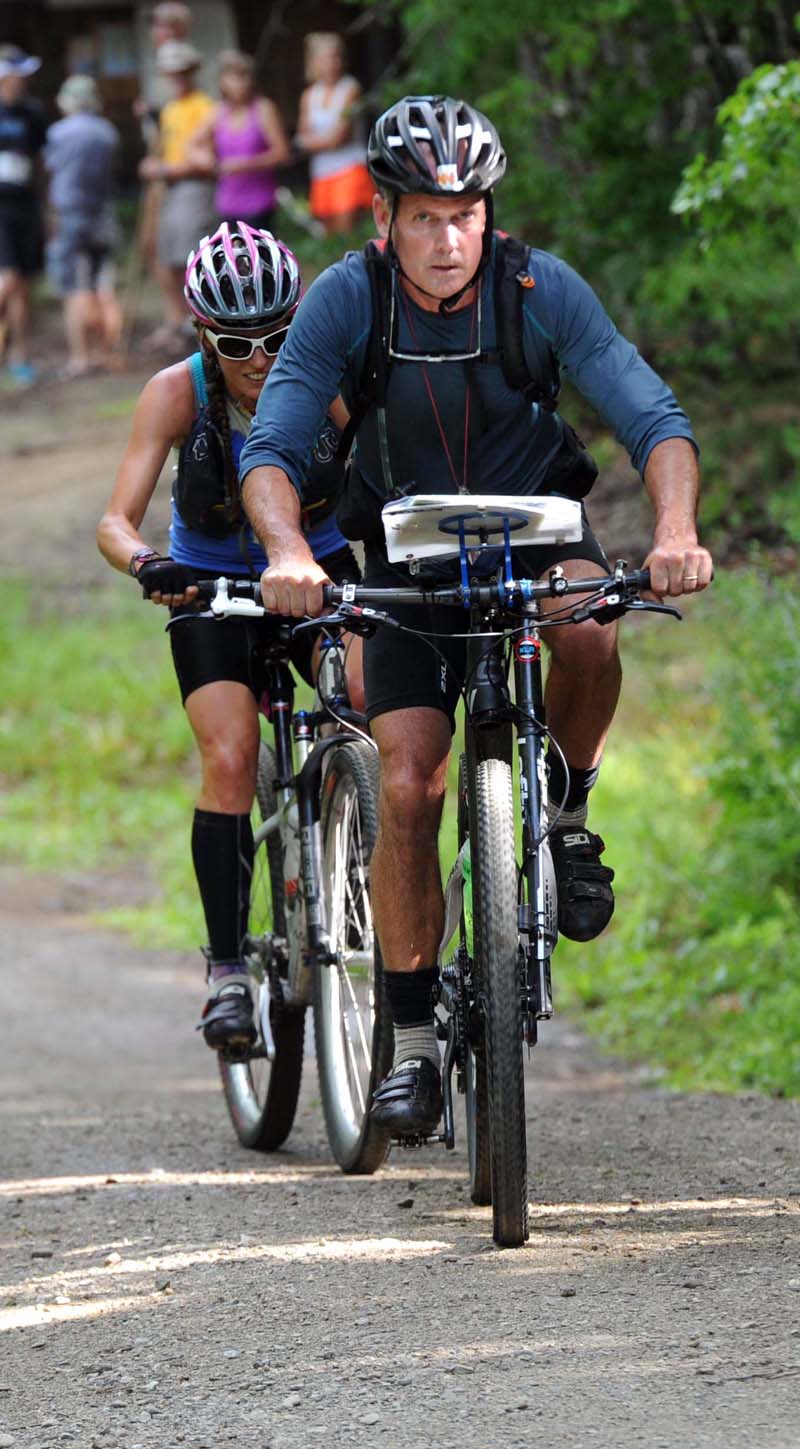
585, 897
409, 1100
227, 1019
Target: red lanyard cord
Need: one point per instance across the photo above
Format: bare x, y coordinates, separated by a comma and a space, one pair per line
462, 486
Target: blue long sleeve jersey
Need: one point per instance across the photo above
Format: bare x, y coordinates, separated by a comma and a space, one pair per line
480, 432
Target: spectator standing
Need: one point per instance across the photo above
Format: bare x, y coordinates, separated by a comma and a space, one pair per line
23, 126
244, 140
328, 132
169, 21
79, 156
187, 210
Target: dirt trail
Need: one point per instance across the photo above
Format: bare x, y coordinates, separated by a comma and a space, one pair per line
162, 1287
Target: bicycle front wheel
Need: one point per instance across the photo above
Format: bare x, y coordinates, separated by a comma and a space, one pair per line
352, 1022
476, 1101
261, 1092
497, 953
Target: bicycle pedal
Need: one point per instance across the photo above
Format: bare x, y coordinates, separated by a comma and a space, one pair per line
416, 1139
238, 1055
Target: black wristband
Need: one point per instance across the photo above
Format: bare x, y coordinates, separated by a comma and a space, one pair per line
140, 556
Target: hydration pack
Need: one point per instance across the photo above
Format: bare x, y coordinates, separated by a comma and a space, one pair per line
201, 489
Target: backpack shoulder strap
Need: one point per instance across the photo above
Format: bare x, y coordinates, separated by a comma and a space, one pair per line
198, 376
371, 388
514, 287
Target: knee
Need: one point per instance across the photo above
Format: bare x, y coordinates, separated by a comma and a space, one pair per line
411, 798
229, 768
587, 649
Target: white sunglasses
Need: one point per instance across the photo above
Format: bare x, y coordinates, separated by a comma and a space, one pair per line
236, 348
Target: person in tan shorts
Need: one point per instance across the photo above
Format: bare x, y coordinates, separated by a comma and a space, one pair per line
187, 209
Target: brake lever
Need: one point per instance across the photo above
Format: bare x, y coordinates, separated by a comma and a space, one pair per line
613, 606
348, 616
643, 606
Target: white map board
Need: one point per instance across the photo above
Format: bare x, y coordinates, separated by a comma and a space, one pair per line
427, 525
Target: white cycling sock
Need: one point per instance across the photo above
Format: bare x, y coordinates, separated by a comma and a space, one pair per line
412, 1042
569, 819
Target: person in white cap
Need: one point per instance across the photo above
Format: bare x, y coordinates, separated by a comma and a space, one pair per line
80, 156
187, 210
22, 134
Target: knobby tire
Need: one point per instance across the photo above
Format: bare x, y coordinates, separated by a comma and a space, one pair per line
495, 884
476, 1101
352, 1022
261, 1096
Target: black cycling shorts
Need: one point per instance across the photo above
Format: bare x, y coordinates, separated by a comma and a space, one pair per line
206, 651
403, 672
21, 235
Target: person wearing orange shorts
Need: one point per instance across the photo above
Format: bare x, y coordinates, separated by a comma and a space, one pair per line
328, 133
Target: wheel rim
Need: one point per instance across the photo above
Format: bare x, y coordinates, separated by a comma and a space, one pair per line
249, 1081
347, 988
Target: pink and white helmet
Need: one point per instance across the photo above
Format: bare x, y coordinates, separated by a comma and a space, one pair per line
242, 277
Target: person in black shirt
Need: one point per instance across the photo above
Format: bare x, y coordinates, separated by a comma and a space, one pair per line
23, 125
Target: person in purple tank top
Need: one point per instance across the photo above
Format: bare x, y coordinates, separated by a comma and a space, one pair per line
244, 140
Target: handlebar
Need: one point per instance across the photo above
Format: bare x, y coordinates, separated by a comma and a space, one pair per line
494, 591
358, 604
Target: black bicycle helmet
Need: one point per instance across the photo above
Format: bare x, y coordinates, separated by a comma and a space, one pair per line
436, 145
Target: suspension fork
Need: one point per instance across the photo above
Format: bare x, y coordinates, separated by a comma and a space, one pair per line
487, 740
537, 915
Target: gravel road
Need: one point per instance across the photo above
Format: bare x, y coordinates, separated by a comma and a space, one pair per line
162, 1287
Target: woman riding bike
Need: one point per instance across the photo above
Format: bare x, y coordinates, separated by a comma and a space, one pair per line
243, 288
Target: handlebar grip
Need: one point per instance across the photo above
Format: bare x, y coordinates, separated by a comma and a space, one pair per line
640, 579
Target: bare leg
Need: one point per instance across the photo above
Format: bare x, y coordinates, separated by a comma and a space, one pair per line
354, 671
80, 321
584, 679
170, 280
342, 222
18, 311
224, 718
414, 746
110, 325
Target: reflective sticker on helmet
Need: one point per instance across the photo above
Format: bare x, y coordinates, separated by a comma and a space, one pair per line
448, 178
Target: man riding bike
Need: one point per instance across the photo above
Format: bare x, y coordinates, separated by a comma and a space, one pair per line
446, 419
242, 288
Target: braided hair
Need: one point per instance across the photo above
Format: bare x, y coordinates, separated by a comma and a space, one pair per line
218, 414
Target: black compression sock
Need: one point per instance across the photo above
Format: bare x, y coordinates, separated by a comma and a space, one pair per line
409, 995
411, 1003
222, 851
580, 783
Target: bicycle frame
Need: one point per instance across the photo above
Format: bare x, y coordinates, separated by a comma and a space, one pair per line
300, 755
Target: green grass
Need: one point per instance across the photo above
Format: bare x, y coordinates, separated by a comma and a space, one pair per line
698, 800
96, 758
699, 974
